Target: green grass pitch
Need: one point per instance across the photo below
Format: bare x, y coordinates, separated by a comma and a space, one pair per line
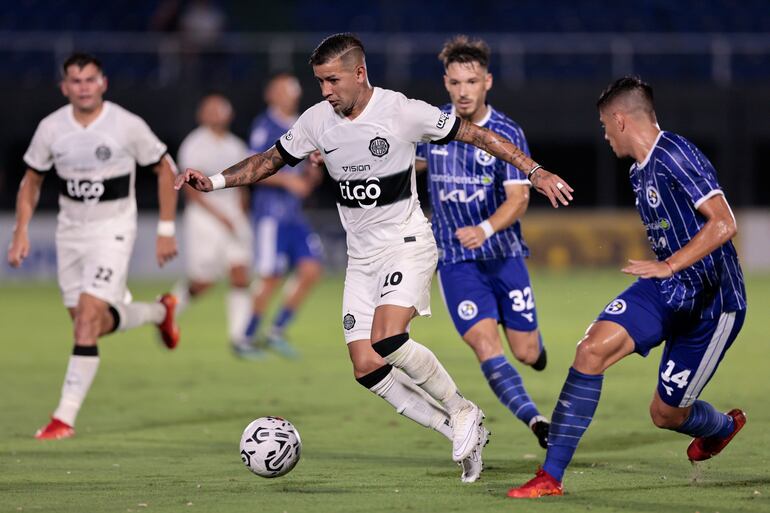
160, 431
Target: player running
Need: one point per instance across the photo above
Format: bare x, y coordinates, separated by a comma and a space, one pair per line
368, 136
217, 234
692, 296
284, 239
477, 201
95, 146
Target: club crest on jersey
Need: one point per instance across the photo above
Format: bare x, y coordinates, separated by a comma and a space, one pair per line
653, 197
484, 158
379, 147
617, 307
467, 310
348, 322
103, 152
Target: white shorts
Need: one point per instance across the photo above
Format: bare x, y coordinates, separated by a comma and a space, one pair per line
210, 248
401, 277
94, 260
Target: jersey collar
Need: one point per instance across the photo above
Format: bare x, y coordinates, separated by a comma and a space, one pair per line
71, 116
367, 108
640, 165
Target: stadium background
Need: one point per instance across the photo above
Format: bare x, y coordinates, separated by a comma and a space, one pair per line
709, 63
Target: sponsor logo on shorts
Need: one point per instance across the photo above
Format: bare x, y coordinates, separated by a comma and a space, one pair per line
467, 310
653, 197
617, 307
379, 147
348, 322
484, 158
103, 152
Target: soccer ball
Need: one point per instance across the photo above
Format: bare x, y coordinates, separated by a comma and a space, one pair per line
270, 446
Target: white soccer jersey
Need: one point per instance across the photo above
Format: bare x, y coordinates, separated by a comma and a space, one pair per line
96, 165
372, 160
207, 152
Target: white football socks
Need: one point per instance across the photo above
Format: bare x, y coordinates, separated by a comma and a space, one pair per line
77, 381
238, 312
399, 390
420, 364
182, 292
137, 314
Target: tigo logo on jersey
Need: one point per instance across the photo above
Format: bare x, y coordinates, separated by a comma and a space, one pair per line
88, 191
617, 307
467, 310
370, 190
379, 147
484, 158
103, 152
653, 198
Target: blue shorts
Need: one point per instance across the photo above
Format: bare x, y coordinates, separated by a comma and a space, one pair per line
694, 346
281, 245
489, 289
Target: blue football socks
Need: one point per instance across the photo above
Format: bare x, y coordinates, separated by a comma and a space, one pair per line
507, 386
705, 420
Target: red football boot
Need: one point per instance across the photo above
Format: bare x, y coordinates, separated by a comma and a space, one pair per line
542, 484
169, 330
55, 430
705, 447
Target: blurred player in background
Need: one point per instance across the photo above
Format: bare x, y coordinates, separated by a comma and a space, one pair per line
217, 232
477, 201
95, 146
368, 137
284, 240
692, 296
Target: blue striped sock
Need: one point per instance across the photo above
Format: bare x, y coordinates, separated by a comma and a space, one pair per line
507, 386
705, 420
283, 318
252, 326
573, 413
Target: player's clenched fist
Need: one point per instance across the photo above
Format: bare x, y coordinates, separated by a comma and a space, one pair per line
196, 179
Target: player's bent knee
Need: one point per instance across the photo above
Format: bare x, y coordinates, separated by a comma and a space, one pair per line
484, 346
667, 417
590, 357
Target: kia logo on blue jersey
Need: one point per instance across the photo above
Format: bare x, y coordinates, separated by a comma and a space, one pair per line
460, 196
653, 197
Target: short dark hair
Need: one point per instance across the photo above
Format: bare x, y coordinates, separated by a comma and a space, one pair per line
626, 85
334, 46
465, 50
81, 60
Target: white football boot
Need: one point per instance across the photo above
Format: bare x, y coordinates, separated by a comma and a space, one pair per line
466, 431
473, 466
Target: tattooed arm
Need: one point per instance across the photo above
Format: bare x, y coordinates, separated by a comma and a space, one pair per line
250, 170
545, 182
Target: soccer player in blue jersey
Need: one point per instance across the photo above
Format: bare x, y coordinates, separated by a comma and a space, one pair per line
477, 201
284, 239
692, 295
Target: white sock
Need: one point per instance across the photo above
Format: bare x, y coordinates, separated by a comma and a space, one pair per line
411, 402
238, 312
80, 374
420, 364
182, 292
137, 314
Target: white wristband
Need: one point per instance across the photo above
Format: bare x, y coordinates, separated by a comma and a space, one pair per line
166, 228
487, 227
217, 181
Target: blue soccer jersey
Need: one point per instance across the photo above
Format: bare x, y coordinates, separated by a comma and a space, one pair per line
266, 200
467, 186
670, 185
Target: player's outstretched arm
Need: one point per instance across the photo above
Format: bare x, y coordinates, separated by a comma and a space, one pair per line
547, 183
26, 202
720, 227
250, 170
165, 244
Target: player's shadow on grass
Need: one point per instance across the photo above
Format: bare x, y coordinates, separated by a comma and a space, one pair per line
623, 441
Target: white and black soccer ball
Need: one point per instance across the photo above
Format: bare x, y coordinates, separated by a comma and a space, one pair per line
270, 446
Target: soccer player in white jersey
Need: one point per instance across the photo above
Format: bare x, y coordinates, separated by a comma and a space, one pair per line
217, 233
95, 146
367, 136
